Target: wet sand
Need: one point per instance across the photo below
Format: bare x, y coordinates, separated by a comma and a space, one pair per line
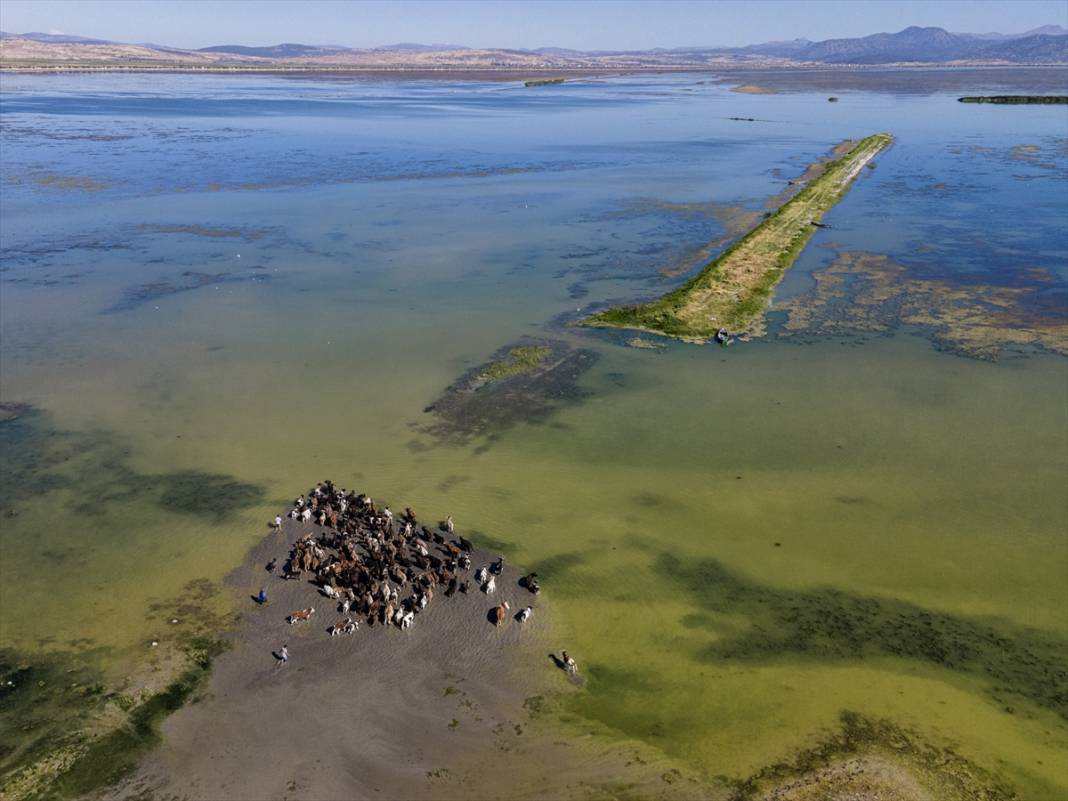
441, 710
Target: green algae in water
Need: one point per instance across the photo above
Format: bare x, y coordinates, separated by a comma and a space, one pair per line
834, 625
46, 701
940, 768
115, 754
51, 717
94, 468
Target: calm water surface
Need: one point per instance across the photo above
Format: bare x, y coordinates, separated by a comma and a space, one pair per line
217, 290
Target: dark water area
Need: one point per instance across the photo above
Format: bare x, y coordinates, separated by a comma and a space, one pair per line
988, 80
217, 290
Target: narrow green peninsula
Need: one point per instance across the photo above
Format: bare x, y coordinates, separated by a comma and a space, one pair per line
733, 291
1017, 100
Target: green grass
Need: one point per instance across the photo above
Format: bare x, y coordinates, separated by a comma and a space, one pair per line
523, 359
665, 315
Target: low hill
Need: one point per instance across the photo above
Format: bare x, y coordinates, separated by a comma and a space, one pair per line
936, 45
913, 45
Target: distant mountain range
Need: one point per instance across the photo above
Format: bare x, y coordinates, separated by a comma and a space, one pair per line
914, 45
933, 45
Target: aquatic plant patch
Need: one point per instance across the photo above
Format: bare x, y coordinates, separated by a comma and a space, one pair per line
94, 467
828, 624
870, 293
523, 382
846, 764
66, 733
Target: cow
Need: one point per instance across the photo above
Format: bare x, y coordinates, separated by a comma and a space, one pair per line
301, 616
501, 614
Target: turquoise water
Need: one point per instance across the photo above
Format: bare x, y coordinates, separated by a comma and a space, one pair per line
217, 290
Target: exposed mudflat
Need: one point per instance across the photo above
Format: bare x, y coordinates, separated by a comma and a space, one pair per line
441, 710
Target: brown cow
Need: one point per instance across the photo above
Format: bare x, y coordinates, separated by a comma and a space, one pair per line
502, 613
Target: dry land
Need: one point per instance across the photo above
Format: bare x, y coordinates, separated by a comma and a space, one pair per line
733, 291
454, 707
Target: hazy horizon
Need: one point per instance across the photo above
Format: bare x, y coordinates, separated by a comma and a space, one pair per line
582, 25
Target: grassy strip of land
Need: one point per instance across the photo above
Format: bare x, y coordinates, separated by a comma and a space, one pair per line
1013, 100
733, 291
523, 359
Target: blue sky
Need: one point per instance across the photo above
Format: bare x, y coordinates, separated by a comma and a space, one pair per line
582, 24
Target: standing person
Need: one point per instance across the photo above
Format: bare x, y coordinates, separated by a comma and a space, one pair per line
449, 524
278, 522
283, 655
262, 598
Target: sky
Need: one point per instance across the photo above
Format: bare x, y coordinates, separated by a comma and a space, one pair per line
579, 24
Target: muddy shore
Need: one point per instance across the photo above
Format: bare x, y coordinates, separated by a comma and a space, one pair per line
445, 709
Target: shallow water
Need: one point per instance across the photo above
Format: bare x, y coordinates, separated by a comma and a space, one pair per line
218, 290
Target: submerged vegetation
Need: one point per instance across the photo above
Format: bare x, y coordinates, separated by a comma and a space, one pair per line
828, 624
116, 753
874, 759
524, 382
94, 468
743, 624
869, 293
734, 289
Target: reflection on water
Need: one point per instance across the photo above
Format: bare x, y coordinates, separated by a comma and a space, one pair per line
273, 279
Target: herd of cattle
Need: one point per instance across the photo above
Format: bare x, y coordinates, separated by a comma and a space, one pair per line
381, 569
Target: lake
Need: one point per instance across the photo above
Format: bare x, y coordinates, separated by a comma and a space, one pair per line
218, 290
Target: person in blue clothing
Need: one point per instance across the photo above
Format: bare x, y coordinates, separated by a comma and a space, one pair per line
262, 598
